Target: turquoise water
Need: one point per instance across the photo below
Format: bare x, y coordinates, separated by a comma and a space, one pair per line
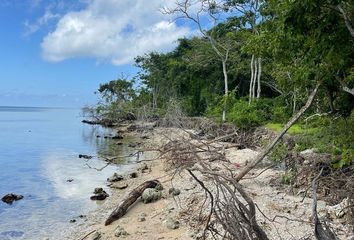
39, 150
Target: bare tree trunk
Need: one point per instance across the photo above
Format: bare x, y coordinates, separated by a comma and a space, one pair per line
224, 70
348, 90
270, 146
254, 79
259, 78
294, 101
346, 20
251, 82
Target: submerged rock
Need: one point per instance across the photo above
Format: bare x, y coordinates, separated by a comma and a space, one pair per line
115, 178
11, 197
151, 195
85, 156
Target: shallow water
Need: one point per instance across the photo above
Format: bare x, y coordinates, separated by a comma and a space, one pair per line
39, 150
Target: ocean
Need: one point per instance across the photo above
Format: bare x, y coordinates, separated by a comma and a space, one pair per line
39, 149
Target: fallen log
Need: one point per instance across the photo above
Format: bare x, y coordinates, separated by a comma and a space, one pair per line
122, 208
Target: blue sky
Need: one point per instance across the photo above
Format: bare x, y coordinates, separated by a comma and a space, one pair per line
57, 52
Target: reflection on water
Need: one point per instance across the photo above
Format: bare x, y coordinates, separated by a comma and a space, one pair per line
38, 154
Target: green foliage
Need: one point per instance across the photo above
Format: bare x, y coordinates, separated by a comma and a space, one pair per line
278, 153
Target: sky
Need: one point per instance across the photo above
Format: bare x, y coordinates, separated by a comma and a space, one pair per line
55, 53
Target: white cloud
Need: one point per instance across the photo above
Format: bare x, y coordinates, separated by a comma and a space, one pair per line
40, 22
113, 30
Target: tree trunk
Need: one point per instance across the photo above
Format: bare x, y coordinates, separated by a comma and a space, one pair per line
270, 146
254, 79
346, 20
226, 89
259, 78
122, 208
251, 81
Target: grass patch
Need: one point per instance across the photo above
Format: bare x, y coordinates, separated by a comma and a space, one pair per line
296, 129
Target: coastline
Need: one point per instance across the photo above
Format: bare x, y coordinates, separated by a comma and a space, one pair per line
185, 208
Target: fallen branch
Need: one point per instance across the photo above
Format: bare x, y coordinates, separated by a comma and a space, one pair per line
122, 208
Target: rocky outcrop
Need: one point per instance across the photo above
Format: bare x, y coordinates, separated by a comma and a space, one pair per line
100, 194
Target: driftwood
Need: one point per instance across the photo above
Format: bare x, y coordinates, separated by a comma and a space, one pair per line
122, 208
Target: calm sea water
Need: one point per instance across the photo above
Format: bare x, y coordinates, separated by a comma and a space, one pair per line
39, 150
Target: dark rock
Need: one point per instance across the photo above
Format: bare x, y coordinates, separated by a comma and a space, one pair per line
115, 178
70, 180
132, 145
85, 156
11, 197
145, 137
72, 220
117, 137
133, 175
98, 136
100, 194
119, 143
142, 217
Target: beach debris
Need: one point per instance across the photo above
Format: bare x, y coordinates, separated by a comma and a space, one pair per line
115, 178
171, 223
122, 208
151, 195
85, 156
11, 197
340, 210
120, 231
174, 191
100, 194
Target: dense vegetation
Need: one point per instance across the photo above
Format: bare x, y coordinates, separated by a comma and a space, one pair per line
258, 65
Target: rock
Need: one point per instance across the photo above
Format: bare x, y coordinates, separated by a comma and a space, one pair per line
96, 236
72, 220
133, 175
339, 210
85, 156
142, 217
120, 231
119, 143
100, 194
70, 180
174, 191
145, 137
172, 223
120, 186
11, 197
151, 195
115, 178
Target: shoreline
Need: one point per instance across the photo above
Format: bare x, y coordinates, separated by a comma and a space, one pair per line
269, 197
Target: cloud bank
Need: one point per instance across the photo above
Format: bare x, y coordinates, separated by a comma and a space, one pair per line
113, 30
